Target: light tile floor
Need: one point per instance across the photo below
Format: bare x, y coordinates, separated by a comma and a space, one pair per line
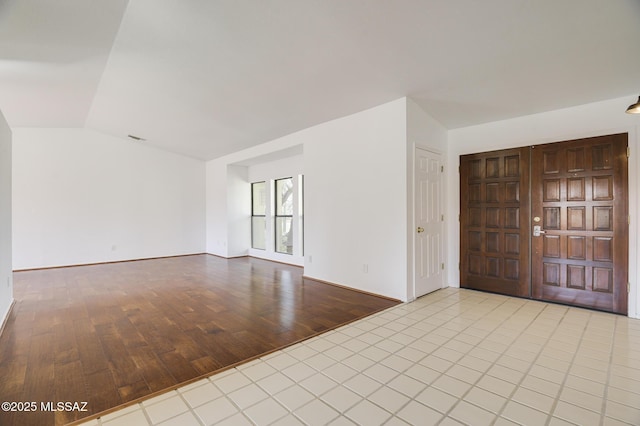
452, 357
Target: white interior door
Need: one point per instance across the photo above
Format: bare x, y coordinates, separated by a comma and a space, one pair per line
429, 221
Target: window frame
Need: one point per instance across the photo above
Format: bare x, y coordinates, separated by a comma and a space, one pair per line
276, 215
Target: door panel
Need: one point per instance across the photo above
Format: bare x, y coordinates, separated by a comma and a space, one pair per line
579, 196
429, 274
494, 218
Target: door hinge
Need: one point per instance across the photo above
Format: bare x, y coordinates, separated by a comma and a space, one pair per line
628, 287
442, 266
628, 152
441, 169
629, 220
442, 218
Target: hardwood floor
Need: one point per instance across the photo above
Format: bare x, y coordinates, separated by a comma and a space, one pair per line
113, 333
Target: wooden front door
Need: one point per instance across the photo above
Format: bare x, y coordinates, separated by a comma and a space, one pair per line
548, 222
494, 221
579, 201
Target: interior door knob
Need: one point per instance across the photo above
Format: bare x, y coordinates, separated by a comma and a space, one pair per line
420, 229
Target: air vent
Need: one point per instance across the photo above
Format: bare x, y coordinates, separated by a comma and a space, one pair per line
137, 138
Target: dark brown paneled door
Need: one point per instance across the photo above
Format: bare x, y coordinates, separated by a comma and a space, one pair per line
579, 202
494, 221
576, 193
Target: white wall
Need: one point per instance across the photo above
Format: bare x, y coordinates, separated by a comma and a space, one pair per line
216, 210
423, 131
596, 119
239, 210
355, 172
356, 201
83, 197
6, 275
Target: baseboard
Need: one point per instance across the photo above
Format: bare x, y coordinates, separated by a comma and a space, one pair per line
152, 258
107, 262
354, 289
254, 257
6, 316
227, 257
277, 261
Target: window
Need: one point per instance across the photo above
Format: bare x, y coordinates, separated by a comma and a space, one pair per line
258, 215
284, 215
277, 218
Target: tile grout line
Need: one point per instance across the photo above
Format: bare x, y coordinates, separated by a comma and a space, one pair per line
566, 374
413, 398
498, 415
443, 373
493, 363
366, 398
379, 362
603, 409
190, 408
531, 364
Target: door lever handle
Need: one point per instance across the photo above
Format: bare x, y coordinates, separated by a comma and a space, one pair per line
537, 231
420, 229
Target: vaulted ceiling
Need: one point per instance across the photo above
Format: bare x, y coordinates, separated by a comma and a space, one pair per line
205, 78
